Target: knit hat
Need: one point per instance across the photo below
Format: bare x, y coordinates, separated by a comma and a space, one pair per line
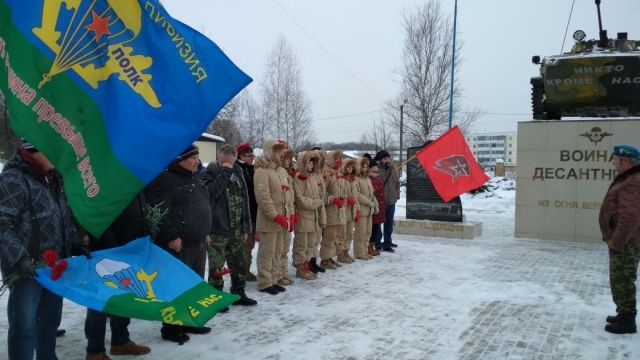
626, 151
382, 154
372, 163
316, 148
28, 146
189, 152
244, 147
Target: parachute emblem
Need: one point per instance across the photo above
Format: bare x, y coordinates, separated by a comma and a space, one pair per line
90, 37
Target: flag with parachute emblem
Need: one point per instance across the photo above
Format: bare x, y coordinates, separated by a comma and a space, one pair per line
110, 91
451, 166
138, 280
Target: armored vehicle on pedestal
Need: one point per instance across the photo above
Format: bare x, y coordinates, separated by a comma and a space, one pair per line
598, 78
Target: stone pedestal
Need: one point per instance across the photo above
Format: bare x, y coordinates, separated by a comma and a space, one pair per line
466, 230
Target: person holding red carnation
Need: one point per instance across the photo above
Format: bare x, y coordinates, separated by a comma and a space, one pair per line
34, 217
274, 214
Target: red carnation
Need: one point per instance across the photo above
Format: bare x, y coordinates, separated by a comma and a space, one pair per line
50, 258
58, 269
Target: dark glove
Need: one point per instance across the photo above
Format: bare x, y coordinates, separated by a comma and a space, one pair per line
25, 269
338, 202
281, 220
83, 250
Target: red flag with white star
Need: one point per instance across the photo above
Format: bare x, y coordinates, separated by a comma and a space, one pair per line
451, 166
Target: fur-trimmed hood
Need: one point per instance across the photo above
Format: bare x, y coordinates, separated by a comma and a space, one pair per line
350, 162
304, 158
268, 148
359, 165
289, 154
333, 157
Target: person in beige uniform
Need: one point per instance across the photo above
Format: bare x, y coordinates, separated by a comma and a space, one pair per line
287, 165
333, 240
352, 209
310, 205
317, 178
368, 204
270, 186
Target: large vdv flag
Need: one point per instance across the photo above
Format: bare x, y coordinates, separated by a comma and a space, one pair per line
451, 166
138, 280
110, 91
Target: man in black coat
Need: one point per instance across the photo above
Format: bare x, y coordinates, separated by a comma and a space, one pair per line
34, 217
245, 161
184, 229
131, 224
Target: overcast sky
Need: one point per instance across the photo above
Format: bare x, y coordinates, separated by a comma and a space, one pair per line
366, 38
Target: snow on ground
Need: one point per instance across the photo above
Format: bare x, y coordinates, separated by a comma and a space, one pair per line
495, 297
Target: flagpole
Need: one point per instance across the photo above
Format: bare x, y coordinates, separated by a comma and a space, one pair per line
453, 64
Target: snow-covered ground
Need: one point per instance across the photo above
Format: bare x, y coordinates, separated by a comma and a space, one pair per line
495, 297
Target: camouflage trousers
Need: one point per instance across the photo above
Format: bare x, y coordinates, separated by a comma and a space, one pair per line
622, 277
232, 250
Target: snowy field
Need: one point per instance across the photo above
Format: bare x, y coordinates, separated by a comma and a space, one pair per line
495, 297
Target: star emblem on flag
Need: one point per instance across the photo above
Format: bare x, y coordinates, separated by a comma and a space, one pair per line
456, 166
99, 26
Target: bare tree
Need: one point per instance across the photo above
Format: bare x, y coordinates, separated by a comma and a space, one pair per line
252, 126
225, 123
9, 140
425, 75
380, 135
285, 106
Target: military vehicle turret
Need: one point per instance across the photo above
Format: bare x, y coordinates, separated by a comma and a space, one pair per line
598, 78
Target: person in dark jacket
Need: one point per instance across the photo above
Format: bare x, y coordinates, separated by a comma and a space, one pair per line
245, 161
34, 217
379, 214
231, 221
184, 230
391, 183
619, 221
131, 224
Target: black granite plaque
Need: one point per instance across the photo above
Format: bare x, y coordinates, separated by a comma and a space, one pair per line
423, 201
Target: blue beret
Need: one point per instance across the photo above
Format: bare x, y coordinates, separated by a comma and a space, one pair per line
626, 151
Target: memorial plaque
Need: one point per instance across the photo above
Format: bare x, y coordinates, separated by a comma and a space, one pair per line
423, 201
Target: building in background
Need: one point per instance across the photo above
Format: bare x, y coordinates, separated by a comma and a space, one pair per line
208, 145
487, 148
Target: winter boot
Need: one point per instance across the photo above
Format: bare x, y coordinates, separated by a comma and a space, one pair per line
173, 333
285, 281
626, 324
308, 266
302, 272
129, 348
270, 290
315, 268
328, 264
372, 251
279, 288
244, 299
337, 265
344, 257
612, 319
101, 356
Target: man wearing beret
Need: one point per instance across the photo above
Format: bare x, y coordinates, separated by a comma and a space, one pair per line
245, 161
620, 226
